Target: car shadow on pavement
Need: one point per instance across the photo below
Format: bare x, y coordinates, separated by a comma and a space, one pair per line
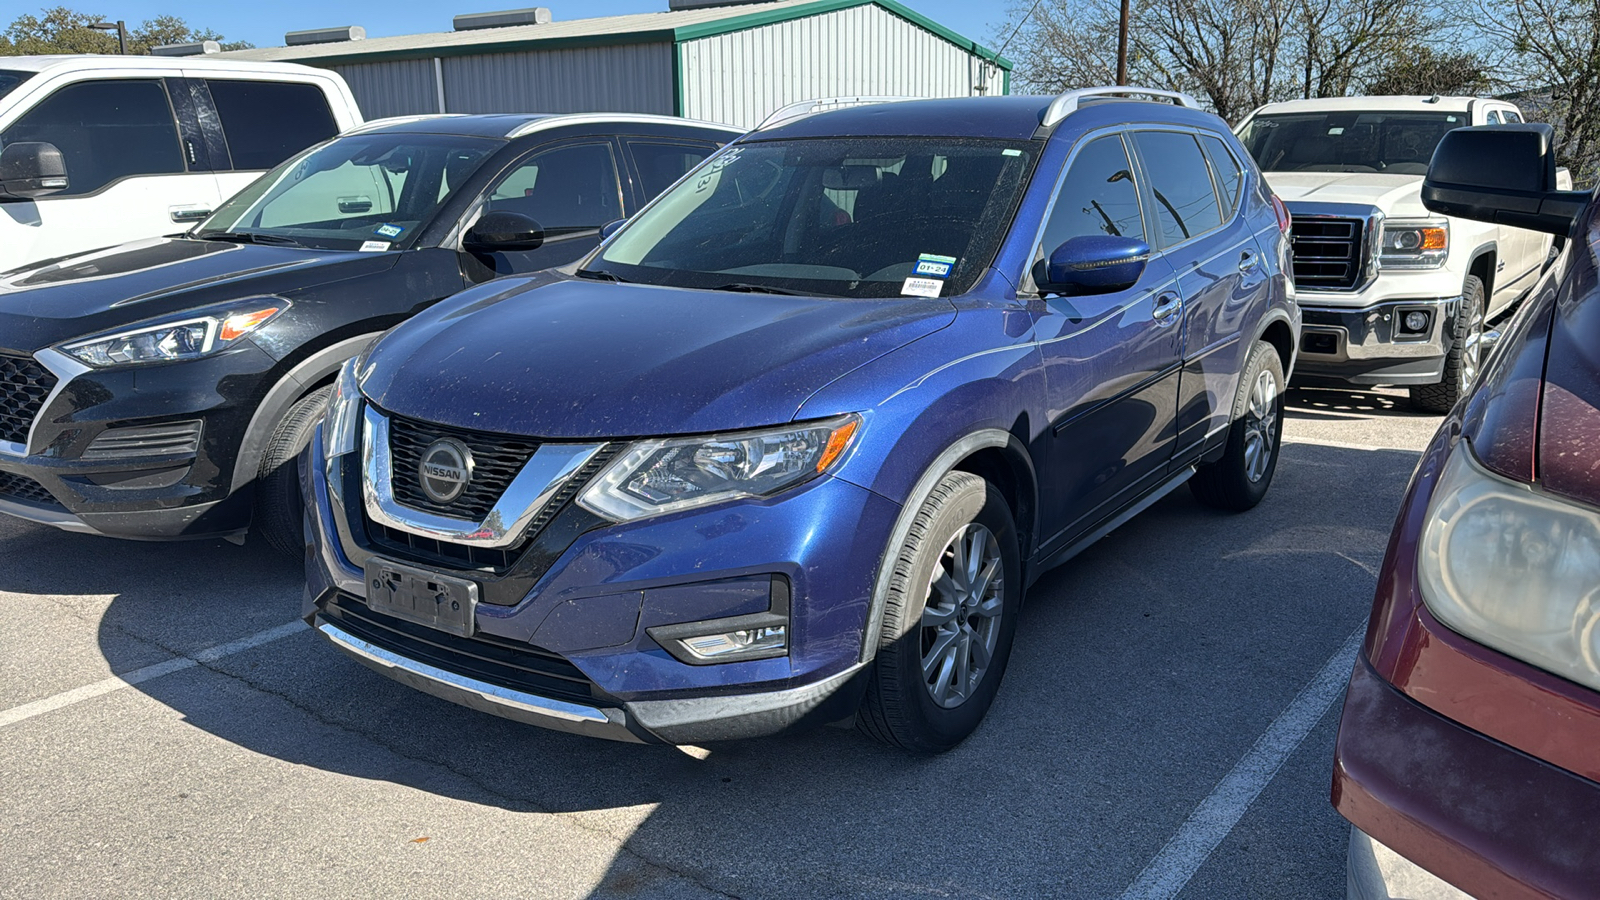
1142, 671
1335, 404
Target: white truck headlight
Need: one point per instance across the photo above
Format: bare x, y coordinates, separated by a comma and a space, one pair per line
1514, 568
1414, 245
661, 476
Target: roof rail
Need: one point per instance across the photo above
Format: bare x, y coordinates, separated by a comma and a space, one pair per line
1068, 103
822, 104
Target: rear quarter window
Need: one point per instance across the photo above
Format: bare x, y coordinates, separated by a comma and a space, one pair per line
266, 122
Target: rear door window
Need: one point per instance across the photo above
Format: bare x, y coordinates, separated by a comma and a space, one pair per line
1494, 117
1230, 175
107, 130
266, 122
566, 189
1097, 196
1180, 182
662, 164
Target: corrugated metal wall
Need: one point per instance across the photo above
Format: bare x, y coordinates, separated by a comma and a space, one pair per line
623, 78
402, 87
742, 77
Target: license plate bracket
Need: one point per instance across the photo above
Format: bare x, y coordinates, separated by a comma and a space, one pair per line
422, 596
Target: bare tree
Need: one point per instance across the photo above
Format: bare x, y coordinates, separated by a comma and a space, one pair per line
1553, 59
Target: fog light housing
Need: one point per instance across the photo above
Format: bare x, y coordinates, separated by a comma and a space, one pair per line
1415, 322
763, 635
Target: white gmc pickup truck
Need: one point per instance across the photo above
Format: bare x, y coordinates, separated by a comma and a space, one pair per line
1391, 293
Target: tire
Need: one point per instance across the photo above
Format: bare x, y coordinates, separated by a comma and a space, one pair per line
1461, 364
279, 506
932, 714
1239, 480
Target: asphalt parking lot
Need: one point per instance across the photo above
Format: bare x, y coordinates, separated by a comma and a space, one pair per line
1165, 729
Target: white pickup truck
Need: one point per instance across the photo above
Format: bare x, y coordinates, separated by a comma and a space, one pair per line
101, 150
1391, 293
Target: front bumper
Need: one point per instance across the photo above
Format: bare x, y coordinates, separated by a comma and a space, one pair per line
1368, 346
578, 604
1471, 811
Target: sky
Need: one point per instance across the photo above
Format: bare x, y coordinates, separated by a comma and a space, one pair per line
264, 23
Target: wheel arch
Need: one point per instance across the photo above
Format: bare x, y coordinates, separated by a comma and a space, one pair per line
998, 456
1276, 330
313, 372
1482, 264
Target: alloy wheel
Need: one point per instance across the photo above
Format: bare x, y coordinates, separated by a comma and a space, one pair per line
1260, 427
1472, 348
961, 618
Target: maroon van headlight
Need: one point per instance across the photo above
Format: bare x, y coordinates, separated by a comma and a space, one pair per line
1514, 569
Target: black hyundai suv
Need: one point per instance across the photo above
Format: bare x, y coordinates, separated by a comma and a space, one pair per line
157, 389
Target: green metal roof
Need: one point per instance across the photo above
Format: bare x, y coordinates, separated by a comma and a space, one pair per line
677, 26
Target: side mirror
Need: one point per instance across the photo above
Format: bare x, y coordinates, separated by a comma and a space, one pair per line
1092, 264
31, 169
1504, 174
610, 228
503, 231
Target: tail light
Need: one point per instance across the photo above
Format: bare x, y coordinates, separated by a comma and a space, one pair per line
1282, 213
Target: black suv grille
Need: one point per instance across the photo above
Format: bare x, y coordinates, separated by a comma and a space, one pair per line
1327, 252
508, 664
24, 384
21, 487
496, 459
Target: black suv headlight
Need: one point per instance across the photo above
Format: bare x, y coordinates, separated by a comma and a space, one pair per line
192, 336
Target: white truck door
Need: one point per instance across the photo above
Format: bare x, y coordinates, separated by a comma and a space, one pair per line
264, 122
126, 167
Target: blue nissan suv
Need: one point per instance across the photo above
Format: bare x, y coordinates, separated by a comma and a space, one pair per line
792, 443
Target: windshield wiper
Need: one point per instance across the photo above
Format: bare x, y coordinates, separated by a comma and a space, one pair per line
600, 275
248, 237
747, 288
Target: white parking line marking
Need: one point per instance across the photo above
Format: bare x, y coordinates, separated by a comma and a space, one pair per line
138, 676
1218, 813
1345, 445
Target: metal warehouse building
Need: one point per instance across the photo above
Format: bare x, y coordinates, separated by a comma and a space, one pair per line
729, 63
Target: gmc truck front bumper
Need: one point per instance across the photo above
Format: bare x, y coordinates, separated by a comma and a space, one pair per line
1372, 345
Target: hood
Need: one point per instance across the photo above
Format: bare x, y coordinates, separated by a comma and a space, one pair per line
566, 358
45, 304
1396, 196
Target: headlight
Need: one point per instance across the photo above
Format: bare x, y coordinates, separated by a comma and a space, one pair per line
663, 476
173, 340
343, 417
1514, 569
1414, 245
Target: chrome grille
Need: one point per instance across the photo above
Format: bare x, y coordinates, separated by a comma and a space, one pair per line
1327, 252
24, 385
496, 459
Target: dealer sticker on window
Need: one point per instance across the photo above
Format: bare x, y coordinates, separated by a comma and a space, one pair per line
389, 231
936, 266
374, 246
921, 287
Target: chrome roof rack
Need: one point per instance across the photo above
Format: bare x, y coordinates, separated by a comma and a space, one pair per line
1068, 103
821, 104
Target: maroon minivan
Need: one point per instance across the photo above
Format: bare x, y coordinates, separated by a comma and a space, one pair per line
1468, 756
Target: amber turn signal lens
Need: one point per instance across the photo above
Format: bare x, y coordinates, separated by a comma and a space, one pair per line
837, 444
240, 324
1434, 238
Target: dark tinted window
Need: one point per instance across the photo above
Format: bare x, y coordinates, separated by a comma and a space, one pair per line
267, 122
1229, 174
1098, 196
10, 79
1186, 201
107, 130
1494, 117
1513, 118
1395, 143
662, 164
565, 189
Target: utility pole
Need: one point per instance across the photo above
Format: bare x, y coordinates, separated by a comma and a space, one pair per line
1122, 47
121, 28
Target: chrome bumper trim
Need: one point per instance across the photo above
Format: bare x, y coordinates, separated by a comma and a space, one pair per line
1368, 332
54, 518
524, 498
470, 692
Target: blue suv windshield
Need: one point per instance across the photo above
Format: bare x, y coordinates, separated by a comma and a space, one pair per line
831, 217
356, 192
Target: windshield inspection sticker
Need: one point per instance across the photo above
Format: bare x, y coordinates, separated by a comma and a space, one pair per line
374, 246
389, 231
921, 287
936, 266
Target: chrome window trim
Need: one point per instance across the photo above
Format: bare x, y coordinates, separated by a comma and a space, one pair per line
65, 368
524, 498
